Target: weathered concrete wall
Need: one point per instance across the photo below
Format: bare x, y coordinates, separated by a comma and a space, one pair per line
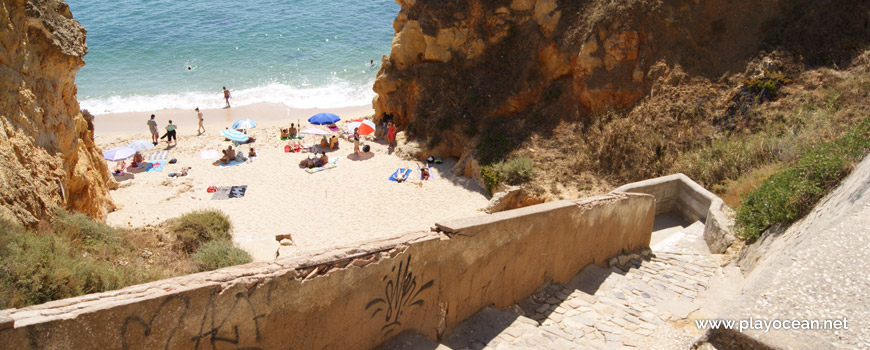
353, 299
679, 194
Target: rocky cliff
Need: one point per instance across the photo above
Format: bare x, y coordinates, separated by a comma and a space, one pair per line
481, 77
47, 154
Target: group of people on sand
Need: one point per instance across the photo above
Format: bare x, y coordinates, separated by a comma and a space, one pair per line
290, 132
231, 154
314, 162
171, 129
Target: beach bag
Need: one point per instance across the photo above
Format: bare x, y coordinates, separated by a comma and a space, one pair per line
366, 148
211, 189
173, 161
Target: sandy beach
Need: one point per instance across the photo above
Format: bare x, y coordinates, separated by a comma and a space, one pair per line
341, 207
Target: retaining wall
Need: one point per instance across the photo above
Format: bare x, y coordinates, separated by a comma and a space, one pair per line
352, 299
677, 193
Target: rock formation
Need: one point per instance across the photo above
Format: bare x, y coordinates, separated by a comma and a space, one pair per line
47, 155
461, 72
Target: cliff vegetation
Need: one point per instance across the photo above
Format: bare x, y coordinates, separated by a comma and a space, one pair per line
599, 93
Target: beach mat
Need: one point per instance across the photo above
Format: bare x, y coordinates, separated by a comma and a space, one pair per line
222, 193
158, 155
406, 173
238, 191
155, 166
209, 154
332, 164
231, 163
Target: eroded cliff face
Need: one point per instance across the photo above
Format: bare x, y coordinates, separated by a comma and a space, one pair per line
466, 73
47, 154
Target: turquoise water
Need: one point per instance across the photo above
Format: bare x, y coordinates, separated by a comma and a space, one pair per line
150, 55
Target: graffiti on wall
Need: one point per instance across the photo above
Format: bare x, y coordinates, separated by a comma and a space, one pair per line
401, 293
222, 324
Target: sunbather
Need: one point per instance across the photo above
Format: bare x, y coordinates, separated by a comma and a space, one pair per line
323, 159
252, 153
292, 131
285, 134
424, 172
229, 155
120, 168
137, 159
333, 142
324, 142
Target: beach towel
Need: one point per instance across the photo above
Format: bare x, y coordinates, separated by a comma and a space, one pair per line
154, 166
333, 128
332, 164
231, 163
222, 193
209, 154
158, 155
401, 172
238, 191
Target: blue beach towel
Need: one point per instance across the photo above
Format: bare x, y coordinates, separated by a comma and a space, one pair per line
401, 172
231, 163
155, 166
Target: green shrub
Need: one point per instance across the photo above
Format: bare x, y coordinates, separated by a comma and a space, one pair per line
198, 227
36, 267
82, 230
515, 171
490, 177
219, 253
791, 193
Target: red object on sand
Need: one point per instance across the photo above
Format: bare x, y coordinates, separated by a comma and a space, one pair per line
286, 148
211, 189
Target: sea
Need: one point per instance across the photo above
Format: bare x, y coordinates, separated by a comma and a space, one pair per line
154, 54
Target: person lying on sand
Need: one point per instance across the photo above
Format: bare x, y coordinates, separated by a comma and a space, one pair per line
424, 172
119, 169
308, 163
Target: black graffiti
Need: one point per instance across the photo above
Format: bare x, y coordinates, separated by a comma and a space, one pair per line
212, 330
400, 292
147, 325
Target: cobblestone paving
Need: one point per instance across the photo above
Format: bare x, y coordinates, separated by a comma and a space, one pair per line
631, 308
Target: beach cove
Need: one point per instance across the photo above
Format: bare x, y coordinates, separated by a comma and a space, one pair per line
343, 207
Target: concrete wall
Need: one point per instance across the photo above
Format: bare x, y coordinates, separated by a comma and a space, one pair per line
679, 194
352, 299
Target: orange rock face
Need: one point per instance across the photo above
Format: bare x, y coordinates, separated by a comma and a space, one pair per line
458, 68
47, 155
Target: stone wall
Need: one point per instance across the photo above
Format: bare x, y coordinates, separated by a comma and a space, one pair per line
354, 299
677, 193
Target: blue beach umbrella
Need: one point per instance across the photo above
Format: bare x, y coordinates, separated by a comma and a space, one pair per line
118, 153
244, 124
323, 119
234, 135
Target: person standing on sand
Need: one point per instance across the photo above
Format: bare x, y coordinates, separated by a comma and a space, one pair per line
356, 141
170, 133
227, 96
152, 126
391, 134
201, 129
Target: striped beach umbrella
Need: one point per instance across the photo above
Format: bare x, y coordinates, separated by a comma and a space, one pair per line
365, 126
234, 135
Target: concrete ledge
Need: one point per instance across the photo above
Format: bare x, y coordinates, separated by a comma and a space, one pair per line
356, 298
679, 194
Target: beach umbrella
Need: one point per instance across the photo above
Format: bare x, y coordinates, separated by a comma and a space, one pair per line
244, 124
118, 153
314, 131
323, 119
365, 127
141, 145
234, 135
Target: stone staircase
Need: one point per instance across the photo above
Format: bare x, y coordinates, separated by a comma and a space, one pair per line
643, 301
